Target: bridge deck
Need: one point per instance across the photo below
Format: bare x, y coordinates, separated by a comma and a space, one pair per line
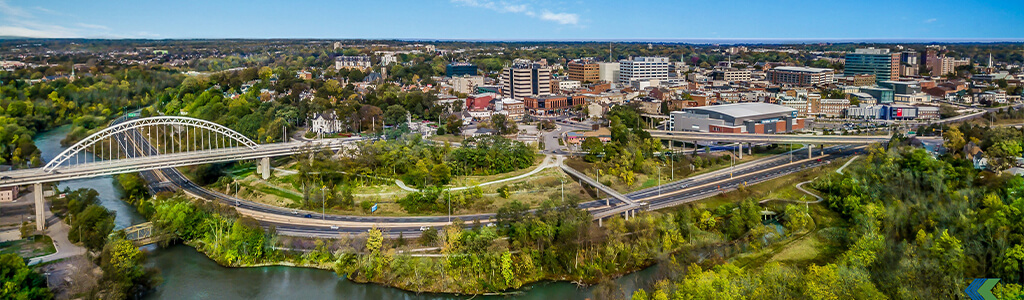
607, 190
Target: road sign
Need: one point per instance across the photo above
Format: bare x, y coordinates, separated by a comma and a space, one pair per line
374, 208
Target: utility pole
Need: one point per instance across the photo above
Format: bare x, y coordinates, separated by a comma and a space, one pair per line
659, 180
323, 203
449, 197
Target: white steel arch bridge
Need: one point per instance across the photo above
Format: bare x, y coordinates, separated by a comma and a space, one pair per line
154, 143
163, 135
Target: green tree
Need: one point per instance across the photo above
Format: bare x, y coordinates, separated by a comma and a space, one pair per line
124, 272
504, 191
91, 226
18, 281
395, 114
453, 124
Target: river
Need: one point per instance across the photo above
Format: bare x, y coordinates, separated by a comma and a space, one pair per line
188, 274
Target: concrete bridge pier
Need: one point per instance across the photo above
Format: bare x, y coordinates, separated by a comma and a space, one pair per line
37, 192
264, 168
600, 222
741, 150
810, 152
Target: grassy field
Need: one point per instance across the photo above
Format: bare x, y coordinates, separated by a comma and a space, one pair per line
33, 246
283, 190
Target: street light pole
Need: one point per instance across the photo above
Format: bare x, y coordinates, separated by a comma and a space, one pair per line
449, 197
323, 203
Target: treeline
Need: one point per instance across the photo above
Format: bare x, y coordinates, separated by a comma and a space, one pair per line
88, 103
920, 228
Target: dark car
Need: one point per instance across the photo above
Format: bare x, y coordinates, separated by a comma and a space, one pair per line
308, 215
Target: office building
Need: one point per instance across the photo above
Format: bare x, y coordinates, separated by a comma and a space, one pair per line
583, 70
460, 69
883, 95
754, 117
467, 84
801, 76
361, 62
525, 79
902, 87
863, 80
608, 71
940, 66
798, 103
879, 62
833, 108
547, 105
731, 75
643, 68
927, 112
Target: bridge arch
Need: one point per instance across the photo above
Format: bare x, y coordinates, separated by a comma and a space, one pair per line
140, 123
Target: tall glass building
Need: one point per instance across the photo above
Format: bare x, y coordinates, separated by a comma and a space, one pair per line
879, 62
460, 69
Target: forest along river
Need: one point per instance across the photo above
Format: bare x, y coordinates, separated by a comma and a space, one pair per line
188, 274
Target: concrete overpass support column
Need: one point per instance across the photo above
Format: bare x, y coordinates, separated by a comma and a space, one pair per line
741, 150
750, 149
600, 222
37, 192
265, 166
810, 151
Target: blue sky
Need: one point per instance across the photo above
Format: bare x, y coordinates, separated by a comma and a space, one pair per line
516, 19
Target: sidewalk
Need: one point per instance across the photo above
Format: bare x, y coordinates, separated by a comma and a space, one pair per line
58, 231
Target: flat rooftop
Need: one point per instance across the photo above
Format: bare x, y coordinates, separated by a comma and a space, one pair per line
745, 110
803, 69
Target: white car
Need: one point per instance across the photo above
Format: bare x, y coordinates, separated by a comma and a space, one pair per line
295, 212
334, 227
490, 224
424, 228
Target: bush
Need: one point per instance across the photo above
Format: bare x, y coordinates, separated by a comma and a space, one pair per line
366, 206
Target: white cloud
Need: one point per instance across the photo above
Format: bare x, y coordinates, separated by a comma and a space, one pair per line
524, 9
92, 26
22, 22
36, 33
561, 18
932, 20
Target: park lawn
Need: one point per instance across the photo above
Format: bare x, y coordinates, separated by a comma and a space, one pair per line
802, 250
461, 181
37, 245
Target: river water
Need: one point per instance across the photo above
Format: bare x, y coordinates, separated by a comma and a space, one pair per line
188, 274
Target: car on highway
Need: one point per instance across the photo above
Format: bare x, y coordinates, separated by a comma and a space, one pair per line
334, 227
424, 228
295, 212
308, 216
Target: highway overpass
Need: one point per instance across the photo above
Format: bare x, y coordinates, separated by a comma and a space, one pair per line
688, 136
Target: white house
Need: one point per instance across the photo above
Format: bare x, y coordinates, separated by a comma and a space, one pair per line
325, 123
